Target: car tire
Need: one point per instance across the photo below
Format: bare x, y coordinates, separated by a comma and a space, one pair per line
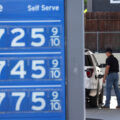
97, 101
87, 98
94, 102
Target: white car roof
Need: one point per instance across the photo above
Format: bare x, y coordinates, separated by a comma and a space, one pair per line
88, 52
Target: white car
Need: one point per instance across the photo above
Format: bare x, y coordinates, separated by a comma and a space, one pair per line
93, 80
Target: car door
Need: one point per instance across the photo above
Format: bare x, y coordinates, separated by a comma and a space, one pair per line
98, 72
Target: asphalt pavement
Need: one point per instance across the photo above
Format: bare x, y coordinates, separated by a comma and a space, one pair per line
105, 114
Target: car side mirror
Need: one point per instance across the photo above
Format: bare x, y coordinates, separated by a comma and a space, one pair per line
102, 65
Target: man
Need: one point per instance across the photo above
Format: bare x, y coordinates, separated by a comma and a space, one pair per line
111, 77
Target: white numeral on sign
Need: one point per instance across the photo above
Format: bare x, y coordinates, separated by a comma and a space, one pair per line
2, 96
55, 95
15, 42
56, 74
55, 63
55, 31
21, 96
55, 41
55, 102
37, 98
21, 71
2, 64
36, 65
36, 34
2, 31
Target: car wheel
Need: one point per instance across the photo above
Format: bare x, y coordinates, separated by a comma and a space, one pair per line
97, 101
94, 102
87, 98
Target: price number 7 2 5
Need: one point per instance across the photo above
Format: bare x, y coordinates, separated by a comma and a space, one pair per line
38, 38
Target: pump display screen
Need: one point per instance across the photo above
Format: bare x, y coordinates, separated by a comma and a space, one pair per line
32, 60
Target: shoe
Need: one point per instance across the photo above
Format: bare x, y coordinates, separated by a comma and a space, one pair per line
118, 107
105, 107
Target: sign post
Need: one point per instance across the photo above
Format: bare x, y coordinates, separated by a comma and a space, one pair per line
32, 60
75, 59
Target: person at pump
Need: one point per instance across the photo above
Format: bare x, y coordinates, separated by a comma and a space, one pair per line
111, 77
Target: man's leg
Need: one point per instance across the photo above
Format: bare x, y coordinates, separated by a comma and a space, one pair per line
116, 88
109, 84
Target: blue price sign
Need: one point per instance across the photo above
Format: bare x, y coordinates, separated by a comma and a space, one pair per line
32, 60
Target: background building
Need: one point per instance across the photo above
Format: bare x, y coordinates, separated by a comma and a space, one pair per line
102, 30
103, 5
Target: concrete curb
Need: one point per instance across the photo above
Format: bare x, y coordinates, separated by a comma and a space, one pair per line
93, 119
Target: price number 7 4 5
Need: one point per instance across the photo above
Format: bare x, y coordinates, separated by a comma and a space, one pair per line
18, 69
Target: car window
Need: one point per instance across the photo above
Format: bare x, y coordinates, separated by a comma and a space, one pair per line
88, 60
95, 60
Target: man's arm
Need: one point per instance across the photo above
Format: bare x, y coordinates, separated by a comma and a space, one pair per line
106, 72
